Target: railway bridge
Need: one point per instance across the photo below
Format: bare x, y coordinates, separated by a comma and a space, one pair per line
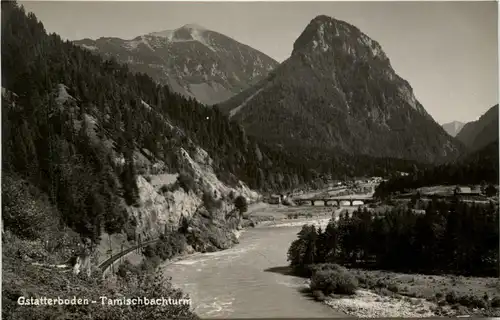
334, 200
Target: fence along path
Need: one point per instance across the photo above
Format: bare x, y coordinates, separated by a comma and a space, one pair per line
104, 266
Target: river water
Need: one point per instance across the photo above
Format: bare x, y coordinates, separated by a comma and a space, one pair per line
248, 280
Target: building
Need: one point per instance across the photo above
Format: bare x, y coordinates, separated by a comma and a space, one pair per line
467, 191
275, 199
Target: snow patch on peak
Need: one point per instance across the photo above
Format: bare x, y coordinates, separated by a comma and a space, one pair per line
194, 26
197, 35
133, 44
169, 34
196, 32
321, 35
91, 48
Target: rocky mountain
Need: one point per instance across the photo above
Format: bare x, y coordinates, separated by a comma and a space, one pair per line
453, 128
478, 134
192, 60
338, 91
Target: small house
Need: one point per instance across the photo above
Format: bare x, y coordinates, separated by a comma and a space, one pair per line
467, 192
275, 199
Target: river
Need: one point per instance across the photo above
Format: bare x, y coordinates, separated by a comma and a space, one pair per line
247, 281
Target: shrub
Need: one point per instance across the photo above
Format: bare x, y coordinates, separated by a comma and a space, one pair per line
451, 297
164, 250
490, 191
148, 178
25, 210
472, 302
241, 204
319, 295
210, 203
149, 251
495, 302
362, 280
186, 182
149, 265
380, 284
338, 281
393, 288
325, 267
127, 269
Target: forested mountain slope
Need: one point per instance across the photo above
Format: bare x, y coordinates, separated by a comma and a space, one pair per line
477, 167
193, 61
477, 134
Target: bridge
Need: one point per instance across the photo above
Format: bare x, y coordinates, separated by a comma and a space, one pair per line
335, 200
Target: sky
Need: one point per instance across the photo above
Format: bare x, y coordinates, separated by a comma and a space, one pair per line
447, 51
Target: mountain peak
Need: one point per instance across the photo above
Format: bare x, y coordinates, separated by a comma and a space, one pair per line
193, 26
453, 128
185, 30
338, 91
193, 61
327, 34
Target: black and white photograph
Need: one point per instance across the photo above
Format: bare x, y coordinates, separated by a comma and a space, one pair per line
249, 159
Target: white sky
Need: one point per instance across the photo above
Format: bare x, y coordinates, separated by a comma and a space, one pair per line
448, 51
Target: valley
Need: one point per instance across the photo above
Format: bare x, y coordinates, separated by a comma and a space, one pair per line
214, 280
187, 165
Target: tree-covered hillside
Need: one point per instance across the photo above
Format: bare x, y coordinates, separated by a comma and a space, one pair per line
449, 238
478, 167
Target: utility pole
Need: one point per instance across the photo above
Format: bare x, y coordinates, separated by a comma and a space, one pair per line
121, 259
111, 253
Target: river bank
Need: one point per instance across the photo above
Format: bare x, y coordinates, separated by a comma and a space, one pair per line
221, 284
247, 280
391, 294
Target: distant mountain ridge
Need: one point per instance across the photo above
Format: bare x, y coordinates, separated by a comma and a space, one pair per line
453, 128
193, 61
478, 134
338, 91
